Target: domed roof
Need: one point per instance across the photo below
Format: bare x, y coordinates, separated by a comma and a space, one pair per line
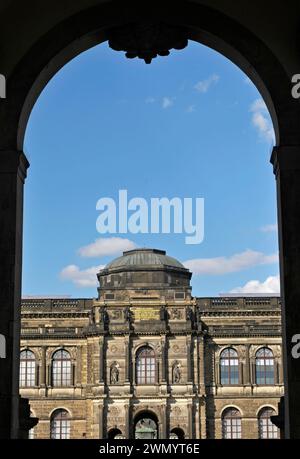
144, 258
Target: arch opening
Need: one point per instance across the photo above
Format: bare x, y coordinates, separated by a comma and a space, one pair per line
213, 30
177, 434
146, 426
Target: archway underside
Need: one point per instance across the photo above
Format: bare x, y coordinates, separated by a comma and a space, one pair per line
82, 31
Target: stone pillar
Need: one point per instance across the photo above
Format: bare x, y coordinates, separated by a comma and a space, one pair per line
191, 421
127, 432
162, 376
202, 414
280, 372
101, 360
13, 166
197, 426
247, 365
43, 368
286, 162
101, 421
189, 348
163, 431
201, 364
127, 359
78, 381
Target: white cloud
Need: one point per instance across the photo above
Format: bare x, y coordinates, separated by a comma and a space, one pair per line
167, 102
150, 100
261, 120
85, 278
270, 285
225, 265
269, 228
106, 246
204, 85
191, 109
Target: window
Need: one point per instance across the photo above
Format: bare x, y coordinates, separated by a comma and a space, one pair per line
266, 428
229, 367
27, 369
179, 295
265, 369
60, 425
61, 369
145, 366
231, 424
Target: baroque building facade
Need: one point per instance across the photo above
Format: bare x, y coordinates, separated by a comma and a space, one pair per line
146, 359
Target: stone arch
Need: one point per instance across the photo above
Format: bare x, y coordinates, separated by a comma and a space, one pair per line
60, 408
90, 27
33, 350
140, 345
224, 348
178, 433
148, 421
231, 406
76, 33
113, 433
263, 407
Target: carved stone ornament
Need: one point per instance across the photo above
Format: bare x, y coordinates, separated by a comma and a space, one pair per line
147, 40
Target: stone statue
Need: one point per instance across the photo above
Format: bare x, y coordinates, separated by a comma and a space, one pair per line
114, 374
176, 373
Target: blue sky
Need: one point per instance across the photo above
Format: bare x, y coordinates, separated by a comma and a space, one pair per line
190, 125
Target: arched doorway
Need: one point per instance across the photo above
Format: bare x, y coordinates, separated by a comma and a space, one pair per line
177, 434
51, 50
115, 434
146, 426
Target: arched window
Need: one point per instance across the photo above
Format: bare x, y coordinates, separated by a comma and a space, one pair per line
231, 424
145, 366
266, 428
27, 369
61, 369
60, 425
229, 367
265, 368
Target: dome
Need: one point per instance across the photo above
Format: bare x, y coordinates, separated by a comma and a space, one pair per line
144, 258
143, 270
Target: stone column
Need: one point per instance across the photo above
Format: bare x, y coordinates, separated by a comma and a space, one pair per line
247, 365
202, 414
127, 432
43, 368
201, 356
286, 161
13, 166
189, 348
78, 381
162, 376
163, 421
127, 359
191, 421
101, 360
101, 420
